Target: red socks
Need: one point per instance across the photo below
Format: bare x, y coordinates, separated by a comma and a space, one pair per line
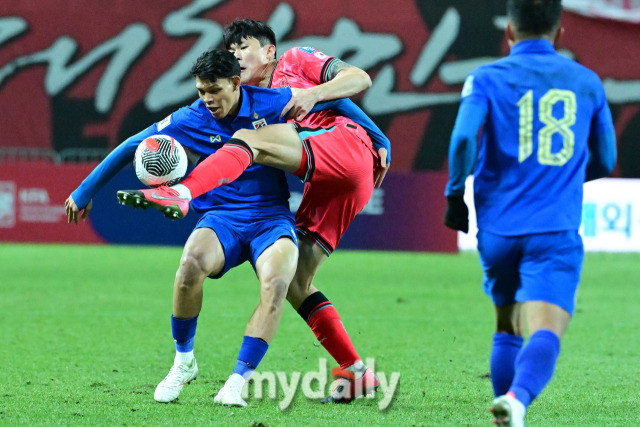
324, 321
220, 168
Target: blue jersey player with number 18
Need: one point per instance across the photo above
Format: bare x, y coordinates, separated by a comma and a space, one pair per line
545, 129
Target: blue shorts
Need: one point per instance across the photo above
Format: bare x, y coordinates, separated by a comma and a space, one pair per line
245, 237
533, 267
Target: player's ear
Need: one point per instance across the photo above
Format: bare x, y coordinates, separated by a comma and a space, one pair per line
236, 82
511, 37
558, 36
271, 51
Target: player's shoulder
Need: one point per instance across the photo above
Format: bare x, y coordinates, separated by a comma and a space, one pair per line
302, 52
184, 115
195, 111
267, 96
264, 92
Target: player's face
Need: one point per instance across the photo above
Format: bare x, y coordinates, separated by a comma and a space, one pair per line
254, 59
222, 97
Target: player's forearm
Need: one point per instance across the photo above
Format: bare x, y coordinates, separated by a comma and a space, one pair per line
464, 146
348, 82
462, 156
111, 165
603, 155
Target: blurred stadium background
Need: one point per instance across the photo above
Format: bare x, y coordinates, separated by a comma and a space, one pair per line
74, 83
78, 77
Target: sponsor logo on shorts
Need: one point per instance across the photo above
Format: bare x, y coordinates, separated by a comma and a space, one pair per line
215, 138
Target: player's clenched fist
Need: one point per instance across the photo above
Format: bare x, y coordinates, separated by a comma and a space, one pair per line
456, 216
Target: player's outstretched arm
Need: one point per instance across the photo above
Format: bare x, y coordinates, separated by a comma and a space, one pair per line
462, 157
343, 81
80, 199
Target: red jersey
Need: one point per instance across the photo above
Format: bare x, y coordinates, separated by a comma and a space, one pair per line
305, 67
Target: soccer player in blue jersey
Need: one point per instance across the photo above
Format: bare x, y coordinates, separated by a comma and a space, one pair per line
546, 129
248, 219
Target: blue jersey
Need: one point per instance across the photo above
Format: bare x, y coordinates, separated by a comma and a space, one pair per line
542, 114
259, 187
195, 128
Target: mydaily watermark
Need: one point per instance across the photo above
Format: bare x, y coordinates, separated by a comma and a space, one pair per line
312, 385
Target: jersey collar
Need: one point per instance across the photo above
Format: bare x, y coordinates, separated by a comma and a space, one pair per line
532, 46
245, 103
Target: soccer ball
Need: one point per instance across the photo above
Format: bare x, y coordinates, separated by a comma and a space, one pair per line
160, 160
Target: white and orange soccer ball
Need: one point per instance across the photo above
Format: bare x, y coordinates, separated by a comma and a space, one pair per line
160, 160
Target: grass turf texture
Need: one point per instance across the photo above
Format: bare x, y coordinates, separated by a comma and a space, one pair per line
86, 337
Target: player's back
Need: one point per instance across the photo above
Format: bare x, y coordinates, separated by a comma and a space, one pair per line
532, 159
305, 67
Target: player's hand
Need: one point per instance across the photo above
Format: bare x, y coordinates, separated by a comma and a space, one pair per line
456, 216
381, 170
73, 212
301, 102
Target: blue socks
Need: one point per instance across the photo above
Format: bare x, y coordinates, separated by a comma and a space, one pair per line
503, 358
251, 353
184, 332
535, 365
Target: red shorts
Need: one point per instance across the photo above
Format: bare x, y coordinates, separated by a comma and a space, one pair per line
338, 177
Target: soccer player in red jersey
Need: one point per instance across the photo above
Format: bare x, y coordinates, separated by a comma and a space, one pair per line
334, 157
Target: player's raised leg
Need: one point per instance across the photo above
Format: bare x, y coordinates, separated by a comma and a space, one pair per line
275, 268
275, 145
278, 146
202, 256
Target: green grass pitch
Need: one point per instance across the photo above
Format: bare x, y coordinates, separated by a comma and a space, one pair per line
86, 337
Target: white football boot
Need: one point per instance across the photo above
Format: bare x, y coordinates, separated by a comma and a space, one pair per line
508, 411
170, 387
231, 393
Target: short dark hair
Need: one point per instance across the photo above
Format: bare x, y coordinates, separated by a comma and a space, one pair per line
247, 28
216, 64
534, 17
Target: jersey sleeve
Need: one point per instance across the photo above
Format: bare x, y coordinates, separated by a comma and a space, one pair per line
111, 165
602, 140
310, 62
464, 146
473, 91
175, 125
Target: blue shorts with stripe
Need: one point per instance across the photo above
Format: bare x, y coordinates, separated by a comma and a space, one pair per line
245, 236
534, 267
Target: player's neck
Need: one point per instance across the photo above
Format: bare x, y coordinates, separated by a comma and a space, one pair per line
268, 70
527, 38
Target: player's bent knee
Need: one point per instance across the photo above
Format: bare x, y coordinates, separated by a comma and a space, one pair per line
192, 271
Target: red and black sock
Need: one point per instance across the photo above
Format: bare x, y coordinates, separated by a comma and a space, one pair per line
324, 321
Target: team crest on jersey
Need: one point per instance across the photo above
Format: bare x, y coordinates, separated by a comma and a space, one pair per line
164, 122
259, 123
468, 87
215, 138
